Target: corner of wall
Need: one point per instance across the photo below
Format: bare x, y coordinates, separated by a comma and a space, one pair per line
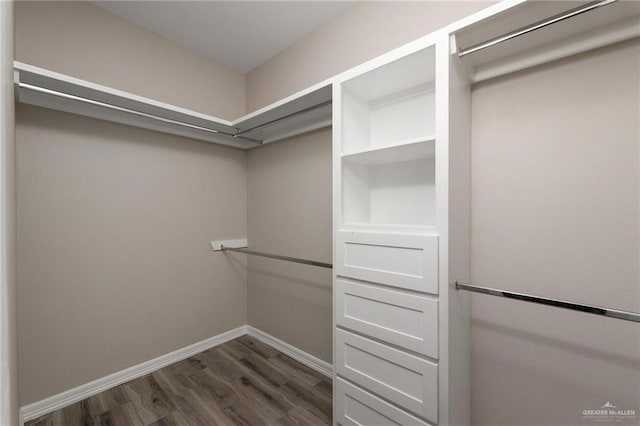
9, 411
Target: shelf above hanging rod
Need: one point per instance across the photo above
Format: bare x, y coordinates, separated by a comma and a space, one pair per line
92, 102
299, 113
279, 119
245, 250
589, 309
535, 26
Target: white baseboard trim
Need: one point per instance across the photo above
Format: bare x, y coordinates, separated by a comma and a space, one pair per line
71, 396
299, 355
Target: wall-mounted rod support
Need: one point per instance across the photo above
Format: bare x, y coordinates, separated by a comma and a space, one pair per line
589, 309
269, 123
535, 26
279, 257
130, 111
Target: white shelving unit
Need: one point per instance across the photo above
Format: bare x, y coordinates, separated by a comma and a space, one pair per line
402, 204
389, 105
393, 155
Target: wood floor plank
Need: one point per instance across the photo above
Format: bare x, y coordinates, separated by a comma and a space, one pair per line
296, 369
310, 399
325, 386
105, 401
264, 369
257, 346
214, 387
173, 419
77, 414
243, 414
174, 379
52, 419
179, 419
170, 384
298, 416
223, 365
200, 412
150, 401
242, 382
164, 421
235, 349
270, 398
124, 414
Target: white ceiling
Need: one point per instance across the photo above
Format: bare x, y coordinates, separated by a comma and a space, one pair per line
240, 34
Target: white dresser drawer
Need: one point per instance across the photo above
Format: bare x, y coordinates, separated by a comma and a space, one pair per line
404, 379
403, 319
357, 407
402, 260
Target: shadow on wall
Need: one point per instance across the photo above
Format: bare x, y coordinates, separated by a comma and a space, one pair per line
574, 348
287, 282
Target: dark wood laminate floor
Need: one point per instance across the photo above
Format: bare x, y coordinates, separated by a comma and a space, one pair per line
242, 382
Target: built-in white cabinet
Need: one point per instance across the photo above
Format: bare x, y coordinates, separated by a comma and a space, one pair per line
399, 336
402, 202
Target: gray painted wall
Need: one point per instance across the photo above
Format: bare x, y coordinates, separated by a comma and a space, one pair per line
114, 222
555, 212
114, 262
289, 212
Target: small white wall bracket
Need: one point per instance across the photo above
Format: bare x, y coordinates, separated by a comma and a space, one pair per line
217, 245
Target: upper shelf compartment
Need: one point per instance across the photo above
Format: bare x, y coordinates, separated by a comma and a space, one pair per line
390, 104
531, 33
296, 114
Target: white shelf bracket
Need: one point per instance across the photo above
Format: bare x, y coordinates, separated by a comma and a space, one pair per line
217, 245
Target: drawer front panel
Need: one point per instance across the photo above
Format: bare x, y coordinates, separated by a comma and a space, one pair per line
402, 378
356, 407
402, 260
403, 319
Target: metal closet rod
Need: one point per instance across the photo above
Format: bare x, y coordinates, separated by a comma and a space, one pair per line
535, 26
589, 309
279, 257
269, 123
132, 111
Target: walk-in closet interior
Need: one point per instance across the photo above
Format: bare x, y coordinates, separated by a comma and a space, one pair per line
320, 213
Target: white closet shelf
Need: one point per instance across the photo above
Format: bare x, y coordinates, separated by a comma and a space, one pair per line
388, 228
299, 113
413, 73
602, 26
412, 149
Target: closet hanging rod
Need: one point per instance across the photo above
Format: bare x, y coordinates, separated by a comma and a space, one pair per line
589, 309
132, 111
269, 123
278, 257
535, 26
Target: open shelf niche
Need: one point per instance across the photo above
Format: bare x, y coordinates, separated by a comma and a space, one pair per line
391, 104
388, 147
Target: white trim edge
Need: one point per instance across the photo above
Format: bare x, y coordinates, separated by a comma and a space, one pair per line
71, 396
299, 355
